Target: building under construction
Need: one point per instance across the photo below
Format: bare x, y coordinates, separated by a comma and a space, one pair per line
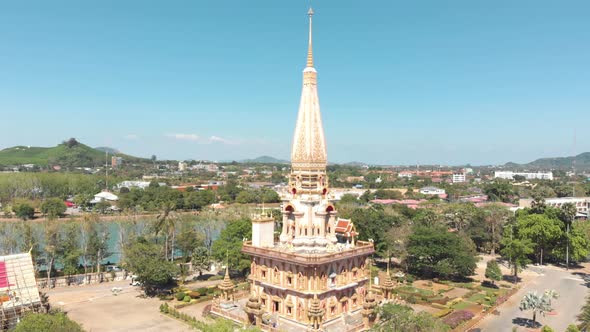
18, 289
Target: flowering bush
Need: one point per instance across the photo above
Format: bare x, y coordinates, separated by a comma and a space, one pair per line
456, 318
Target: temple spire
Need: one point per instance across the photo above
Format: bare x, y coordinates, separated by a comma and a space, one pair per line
309, 47
309, 145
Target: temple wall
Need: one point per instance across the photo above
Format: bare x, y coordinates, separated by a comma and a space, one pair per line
288, 288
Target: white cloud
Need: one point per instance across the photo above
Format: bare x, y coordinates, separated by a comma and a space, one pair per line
184, 137
132, 137
218, 139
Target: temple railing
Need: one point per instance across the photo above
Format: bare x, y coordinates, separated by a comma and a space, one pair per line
360, 248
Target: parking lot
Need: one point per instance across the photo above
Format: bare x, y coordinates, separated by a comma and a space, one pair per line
97, 309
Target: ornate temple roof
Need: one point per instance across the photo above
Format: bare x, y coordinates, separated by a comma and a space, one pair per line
315, 308
253, 305
309, 143
226, 284
345, 227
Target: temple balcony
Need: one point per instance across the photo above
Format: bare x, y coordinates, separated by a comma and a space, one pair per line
285, 254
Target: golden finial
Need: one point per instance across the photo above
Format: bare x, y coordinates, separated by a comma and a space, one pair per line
309, 49
227, 261
370, 275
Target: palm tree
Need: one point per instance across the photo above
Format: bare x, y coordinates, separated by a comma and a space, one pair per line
537, 303
568, 214
166, 223
584, 316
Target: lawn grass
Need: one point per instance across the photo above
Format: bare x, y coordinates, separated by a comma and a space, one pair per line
477, 297
467, 285
416, 291
462, 305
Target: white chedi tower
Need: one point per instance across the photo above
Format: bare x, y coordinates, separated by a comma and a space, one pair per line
309, 218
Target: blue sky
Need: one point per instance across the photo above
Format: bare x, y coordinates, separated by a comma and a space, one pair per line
400, 82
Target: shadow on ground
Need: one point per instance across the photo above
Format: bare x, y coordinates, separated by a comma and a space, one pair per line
525, 322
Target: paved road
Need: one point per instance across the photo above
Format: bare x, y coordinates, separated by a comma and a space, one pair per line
98, 310
571, 287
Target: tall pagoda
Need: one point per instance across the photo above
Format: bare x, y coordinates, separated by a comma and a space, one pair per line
315, 272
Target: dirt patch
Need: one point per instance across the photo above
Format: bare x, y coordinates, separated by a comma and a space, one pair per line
425, 308
424, 284
457, 292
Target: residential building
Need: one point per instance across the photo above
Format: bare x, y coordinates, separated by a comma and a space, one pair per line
509, 175
137, 184
459, 177
116, 161
104, 196
432, 191
182, 166
582, 204
405, 174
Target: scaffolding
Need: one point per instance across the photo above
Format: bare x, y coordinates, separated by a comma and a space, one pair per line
18, 289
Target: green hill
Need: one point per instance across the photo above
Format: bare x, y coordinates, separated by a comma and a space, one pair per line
582, 162
264, 160
70, 153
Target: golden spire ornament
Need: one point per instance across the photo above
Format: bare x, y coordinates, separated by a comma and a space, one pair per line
309, 47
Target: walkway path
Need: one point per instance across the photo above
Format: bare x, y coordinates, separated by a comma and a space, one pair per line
571, 287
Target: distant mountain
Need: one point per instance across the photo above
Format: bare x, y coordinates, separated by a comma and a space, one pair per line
582, 162
70, 153
264, 160
354, 164
107, 149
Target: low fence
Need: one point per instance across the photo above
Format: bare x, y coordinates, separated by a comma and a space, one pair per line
216, 310
81, 279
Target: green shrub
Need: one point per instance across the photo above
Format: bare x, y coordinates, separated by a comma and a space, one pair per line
412, 299
410, 278
194, 295
180, 296
186, 299
547, 329
572, 328
202, 290
443, 313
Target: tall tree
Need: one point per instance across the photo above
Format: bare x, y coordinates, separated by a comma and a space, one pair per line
541, 230
51, 246
230, 242
495, 216
493, 271
53, 207
568, 214
516, 251
24, 211
69, 248
147, 261
401, 318
188, 239
434, 251
98, 247
47, 322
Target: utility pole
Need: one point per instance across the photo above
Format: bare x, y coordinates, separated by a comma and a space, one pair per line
106, 168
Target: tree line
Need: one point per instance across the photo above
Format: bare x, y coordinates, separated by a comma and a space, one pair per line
443, 240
